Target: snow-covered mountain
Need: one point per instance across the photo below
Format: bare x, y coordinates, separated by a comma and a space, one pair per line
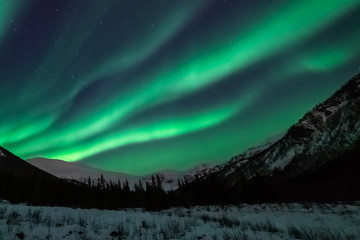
331, 129
243, 158
170, 178
79, 172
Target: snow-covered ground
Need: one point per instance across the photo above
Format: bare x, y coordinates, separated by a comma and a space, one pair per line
265, 221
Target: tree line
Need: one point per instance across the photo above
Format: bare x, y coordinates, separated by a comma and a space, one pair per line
337, 180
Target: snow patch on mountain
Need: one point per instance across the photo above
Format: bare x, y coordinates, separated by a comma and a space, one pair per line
285, 160
2, 155
238, 161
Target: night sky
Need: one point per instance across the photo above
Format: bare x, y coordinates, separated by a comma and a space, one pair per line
138, 86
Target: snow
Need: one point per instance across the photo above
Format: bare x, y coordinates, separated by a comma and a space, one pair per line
266, 144
251, 152
79, 172
282, 162
2, 154
169, 178
264, 221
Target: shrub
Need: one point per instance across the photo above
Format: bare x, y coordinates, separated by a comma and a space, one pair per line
2, 212
13, 218
20, 235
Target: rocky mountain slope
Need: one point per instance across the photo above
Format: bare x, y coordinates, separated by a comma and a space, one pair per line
328, 131
11, 164
22, 182
317, 159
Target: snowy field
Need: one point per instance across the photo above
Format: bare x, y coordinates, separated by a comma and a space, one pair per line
266, 221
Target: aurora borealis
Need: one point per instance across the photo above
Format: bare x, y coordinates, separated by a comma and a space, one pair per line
138, 86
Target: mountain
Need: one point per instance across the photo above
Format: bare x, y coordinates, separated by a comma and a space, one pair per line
68, 170
22, 182
18, 168
78, 172
170, 178
327, 132
243, 158
317, 159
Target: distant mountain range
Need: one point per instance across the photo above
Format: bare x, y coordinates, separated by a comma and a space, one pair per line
68, 170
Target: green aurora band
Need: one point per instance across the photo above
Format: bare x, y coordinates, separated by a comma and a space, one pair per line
123, 86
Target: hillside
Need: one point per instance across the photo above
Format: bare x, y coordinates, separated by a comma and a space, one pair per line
317, 159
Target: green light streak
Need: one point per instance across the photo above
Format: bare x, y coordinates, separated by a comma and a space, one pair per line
23, 130
164, 128
228, 140
332, 57
204, 70
57, 62
271, 34
108, 112
155, 131
156, 37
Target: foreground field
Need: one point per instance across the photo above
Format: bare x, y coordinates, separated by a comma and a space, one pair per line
265, 221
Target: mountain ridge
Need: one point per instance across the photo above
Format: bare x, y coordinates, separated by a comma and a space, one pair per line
316, 160
318, 132
17, 166
78, 172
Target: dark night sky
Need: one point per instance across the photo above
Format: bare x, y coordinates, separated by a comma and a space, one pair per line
138, 86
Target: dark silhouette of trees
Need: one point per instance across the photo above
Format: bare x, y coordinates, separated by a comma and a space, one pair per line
336, 180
